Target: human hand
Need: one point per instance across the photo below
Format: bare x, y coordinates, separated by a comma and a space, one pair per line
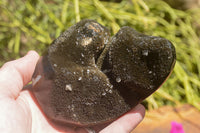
20, 113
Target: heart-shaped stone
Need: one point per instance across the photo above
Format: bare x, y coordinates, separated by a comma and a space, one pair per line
85, 78
137, 64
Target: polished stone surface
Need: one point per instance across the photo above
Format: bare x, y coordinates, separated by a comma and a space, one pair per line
87, 78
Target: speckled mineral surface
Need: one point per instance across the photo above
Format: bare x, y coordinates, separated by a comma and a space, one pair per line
88, 78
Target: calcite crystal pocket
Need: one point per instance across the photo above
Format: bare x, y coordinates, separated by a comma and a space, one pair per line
87, 78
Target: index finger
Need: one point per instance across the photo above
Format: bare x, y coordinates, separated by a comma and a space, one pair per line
127, 122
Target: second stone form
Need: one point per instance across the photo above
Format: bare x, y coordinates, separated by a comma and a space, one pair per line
87, 78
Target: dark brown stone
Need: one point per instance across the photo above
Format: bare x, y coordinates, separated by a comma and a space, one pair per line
138, 64
85, 78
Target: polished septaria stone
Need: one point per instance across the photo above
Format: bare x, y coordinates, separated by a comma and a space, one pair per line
87, 78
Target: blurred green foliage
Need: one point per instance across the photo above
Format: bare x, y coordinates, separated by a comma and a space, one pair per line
33, 24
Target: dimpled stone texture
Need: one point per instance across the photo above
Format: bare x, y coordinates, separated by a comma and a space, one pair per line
79, 92
139, 63
86, 78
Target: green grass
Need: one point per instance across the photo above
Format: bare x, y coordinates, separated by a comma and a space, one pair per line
34, 24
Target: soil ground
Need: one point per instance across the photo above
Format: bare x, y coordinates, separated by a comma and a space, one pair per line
159, 121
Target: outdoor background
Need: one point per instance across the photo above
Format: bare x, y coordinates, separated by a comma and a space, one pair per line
33, 24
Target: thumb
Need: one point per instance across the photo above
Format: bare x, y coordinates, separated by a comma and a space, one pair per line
15, 74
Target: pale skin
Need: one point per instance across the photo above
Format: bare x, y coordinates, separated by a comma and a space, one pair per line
19, 113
